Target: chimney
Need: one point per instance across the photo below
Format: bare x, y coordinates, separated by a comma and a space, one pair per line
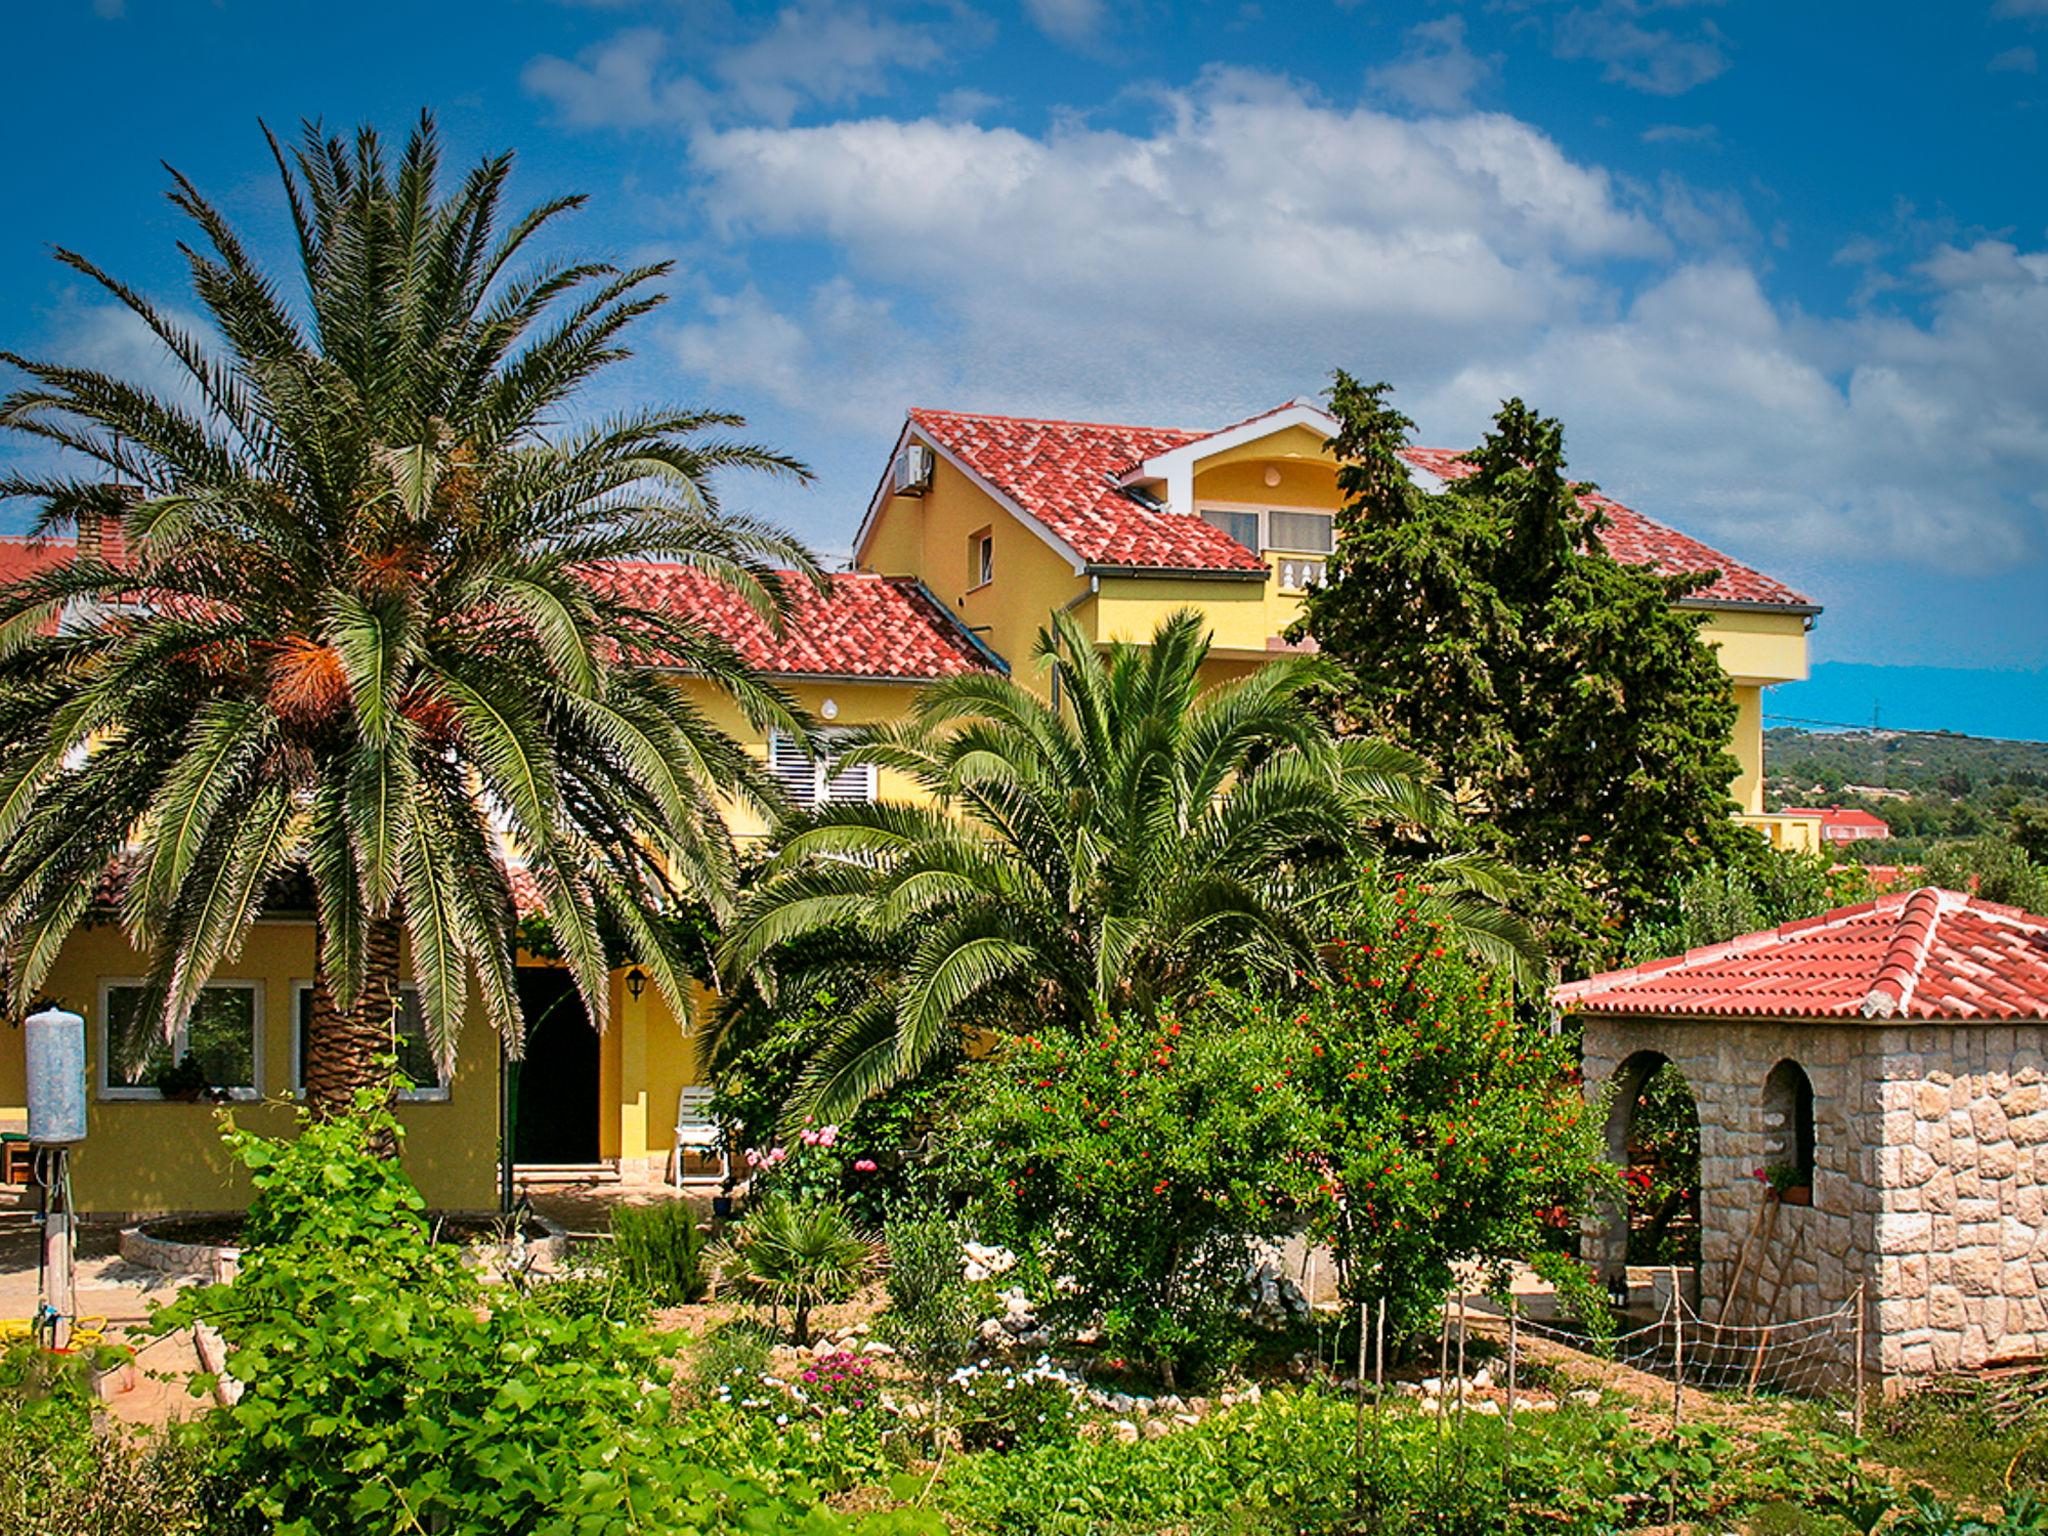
101, 530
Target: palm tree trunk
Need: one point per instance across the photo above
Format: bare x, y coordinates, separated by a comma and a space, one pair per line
345, 1048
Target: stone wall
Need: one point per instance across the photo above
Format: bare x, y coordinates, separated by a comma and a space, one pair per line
1926, 1178
1961, 1160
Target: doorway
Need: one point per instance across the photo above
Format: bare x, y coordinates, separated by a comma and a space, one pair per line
555, 1087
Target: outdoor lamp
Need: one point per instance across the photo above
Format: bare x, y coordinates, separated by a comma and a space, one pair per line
636, 982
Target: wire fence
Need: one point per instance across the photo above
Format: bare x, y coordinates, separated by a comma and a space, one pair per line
1821, 1356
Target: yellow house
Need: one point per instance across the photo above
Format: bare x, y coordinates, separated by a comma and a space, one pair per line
1006, 518
980, 527
583, 1101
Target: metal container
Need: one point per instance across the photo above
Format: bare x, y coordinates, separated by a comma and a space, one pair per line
56, 1077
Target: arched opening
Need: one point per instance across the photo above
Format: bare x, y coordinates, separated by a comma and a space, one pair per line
1788, 1128
1653, 1136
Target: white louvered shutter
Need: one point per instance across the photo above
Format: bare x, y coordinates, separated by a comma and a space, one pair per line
795, 771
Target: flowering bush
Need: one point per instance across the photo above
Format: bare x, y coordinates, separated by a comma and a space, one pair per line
838, 1383
1003, 1408
1441, 1128
1143, 1161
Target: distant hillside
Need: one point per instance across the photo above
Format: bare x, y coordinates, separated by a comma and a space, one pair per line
1980, 702
1930, 788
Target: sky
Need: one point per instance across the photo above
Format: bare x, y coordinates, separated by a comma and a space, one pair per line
1781, 270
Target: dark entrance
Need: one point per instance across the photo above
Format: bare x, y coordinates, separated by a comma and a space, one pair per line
555, 1089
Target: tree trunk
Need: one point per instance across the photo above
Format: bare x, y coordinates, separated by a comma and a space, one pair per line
346, 1048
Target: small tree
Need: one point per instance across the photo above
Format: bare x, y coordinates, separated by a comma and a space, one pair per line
931, 1315
1142, 1161
1560, 693
1441, 1128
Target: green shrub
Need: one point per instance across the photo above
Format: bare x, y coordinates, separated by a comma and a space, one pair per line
1302, 1462
1143, 1161
66, 1470
796, 1254
932, 1315
386, 1388
660, 1251
1004, 1409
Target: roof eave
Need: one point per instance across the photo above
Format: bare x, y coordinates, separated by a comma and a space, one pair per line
1183, 572
1748, 605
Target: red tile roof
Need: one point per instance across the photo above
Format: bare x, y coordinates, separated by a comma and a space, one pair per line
865, 626
1066, 473
22, 558
1635, 539
1924, 954
1835, 816
886, 627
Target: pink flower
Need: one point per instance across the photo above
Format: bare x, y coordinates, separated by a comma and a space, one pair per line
808, 1138
777, 1154
828, 1135
864, 1165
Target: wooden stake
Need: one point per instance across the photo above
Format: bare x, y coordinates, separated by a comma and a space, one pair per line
1856, 1408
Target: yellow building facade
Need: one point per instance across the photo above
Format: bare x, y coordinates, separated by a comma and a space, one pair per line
980, 529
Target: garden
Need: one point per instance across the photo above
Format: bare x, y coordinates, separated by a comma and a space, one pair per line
1066, 1309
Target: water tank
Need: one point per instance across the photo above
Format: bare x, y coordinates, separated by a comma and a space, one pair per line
56, 1077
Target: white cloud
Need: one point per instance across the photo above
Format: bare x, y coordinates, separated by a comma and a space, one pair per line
1867, 438
2008, 8
1070, 21
828, 53
1251, 214
1436, 72
1681, 133
2014, 61
1660, 60
1255, 236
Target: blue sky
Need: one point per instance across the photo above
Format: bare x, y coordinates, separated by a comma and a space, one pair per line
1782, 270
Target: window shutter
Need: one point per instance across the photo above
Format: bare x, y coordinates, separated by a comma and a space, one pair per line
793, 770
850, 786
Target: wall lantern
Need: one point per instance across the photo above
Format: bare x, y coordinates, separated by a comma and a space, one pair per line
636, 982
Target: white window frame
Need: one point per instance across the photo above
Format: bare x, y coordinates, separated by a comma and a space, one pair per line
143, 1093
1268, 550
823, 772
981, 568
1265, 512
301, 988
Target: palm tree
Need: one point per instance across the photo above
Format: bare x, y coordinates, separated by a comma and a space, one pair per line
359, 639
1114, 848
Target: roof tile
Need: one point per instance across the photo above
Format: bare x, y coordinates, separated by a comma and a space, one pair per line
883, 627
1924, 954
1065, 474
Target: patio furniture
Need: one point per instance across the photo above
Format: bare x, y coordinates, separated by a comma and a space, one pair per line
697, 1132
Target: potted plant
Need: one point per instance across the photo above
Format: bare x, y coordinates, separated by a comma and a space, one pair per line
1787, 1185
184, 1082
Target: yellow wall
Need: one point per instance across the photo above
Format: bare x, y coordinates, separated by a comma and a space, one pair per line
1758, 647
928, 537
855, 703
1748, 746
647, 1060
145, 1156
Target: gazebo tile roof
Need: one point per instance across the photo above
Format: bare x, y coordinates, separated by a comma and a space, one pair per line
1925, 954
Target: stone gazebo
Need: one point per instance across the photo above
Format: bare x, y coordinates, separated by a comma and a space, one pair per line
1892, 1057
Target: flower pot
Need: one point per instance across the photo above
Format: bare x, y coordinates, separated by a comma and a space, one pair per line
1796, 1194
721, 1207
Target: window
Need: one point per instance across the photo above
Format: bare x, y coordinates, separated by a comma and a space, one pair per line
815, 781
981, 559
223, 1034
1261, 529
1303, 539
1307, 533
408, 1042
1788, 1121
1241, 526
